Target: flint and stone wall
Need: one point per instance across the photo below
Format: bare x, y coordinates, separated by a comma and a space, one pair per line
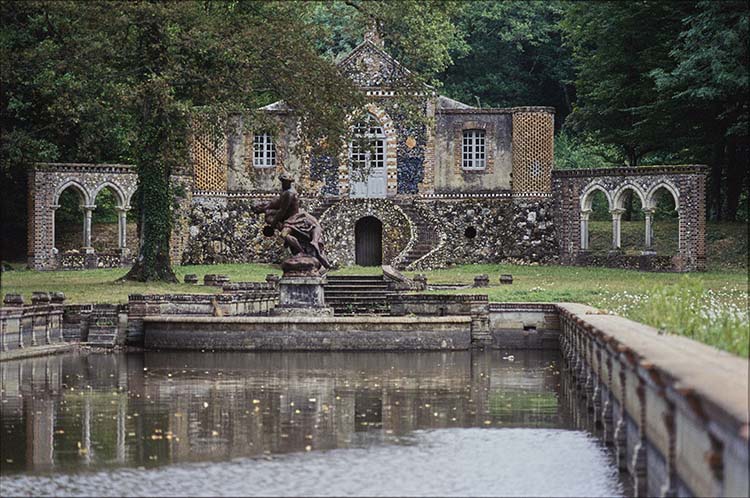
224, 229
687, 184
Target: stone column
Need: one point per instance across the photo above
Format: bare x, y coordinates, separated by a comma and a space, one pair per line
88, 210
616, 217
53, 208
122, 221
585, 229
649, 215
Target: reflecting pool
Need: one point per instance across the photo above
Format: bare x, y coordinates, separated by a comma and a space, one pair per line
388, 424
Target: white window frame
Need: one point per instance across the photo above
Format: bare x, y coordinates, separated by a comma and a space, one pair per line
264, 151
474, 150
370, 131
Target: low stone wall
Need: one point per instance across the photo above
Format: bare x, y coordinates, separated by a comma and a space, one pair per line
309, 334
475, 306
491, 230
524, 326
483, 228
618, 259
675, 410
256, 302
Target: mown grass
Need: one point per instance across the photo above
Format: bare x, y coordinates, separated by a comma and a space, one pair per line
709, 306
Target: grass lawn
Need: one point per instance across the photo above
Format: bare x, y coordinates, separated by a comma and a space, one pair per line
710, 306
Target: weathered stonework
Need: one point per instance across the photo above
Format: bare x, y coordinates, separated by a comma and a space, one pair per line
47, 181
573, 190
476, 230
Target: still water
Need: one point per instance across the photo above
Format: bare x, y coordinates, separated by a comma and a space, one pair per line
310, 424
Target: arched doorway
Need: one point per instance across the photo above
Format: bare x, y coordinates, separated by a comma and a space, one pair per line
368, 241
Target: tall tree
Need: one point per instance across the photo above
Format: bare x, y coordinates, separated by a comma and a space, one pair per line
513, 56
615, 47
707, 92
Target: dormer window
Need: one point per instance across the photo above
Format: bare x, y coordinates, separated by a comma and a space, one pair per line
473, 155
264, 151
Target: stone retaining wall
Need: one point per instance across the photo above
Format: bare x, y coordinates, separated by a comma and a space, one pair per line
308, 334
470, 229
675, 410
256, 302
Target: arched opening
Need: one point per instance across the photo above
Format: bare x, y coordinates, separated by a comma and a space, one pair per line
596, 222
105, 221
69, 220
632, 221
665, 231
367, 159
368, 241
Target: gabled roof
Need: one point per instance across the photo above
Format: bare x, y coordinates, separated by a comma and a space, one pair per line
370, 66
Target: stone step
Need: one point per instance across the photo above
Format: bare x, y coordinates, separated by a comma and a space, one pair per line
356, 288
355, 277
345, 294
101, 340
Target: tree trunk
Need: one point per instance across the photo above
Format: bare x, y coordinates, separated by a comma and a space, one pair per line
715, 179
736, 172
156, 151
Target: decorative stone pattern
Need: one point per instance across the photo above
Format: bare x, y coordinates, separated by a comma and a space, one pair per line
324, 169
533, 154
47, 181
225, 230
573, 190
338, 227
209, 156
489, 231
370, 67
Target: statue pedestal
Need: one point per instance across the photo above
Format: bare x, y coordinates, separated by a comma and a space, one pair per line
301, 296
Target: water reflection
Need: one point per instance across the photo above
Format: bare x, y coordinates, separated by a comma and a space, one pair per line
65, 413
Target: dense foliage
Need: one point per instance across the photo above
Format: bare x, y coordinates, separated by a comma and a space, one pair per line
632, 82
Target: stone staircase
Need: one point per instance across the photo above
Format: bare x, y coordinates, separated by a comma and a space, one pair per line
427, 237
357, 294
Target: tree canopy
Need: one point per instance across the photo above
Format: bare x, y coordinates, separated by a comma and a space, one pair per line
105, 81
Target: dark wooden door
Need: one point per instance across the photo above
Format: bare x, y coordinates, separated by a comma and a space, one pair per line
368, 238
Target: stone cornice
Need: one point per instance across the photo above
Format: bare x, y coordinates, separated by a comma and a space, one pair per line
500, 110
669, 169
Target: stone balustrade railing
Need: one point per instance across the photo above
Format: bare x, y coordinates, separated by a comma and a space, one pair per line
675, 410
36, 324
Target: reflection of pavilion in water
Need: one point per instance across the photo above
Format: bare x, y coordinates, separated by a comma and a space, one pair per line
151, 409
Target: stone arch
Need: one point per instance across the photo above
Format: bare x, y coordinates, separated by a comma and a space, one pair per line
587, 196
585, 211
391, 149
368, 241
620, 192
339, 222
650, 202
86, 198
123, 201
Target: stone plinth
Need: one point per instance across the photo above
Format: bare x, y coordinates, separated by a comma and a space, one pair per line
301, 296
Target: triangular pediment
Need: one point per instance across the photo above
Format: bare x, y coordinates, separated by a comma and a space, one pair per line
370, 66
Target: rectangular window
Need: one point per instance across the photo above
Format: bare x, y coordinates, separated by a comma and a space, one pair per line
473, 151
264, 151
